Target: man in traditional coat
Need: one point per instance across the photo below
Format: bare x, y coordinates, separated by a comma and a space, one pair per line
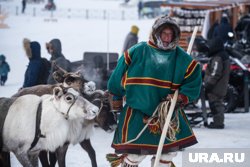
146, 74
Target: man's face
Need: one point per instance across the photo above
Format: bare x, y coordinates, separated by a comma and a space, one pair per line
49, 48
166, 36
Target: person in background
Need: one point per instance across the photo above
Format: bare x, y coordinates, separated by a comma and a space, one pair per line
131, 38
210, 32
140, 7
223, 28
54, 48
147, 74
23, 6
35, 68
4, 70
215, 81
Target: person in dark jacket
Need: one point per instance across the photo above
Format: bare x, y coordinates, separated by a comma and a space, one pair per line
23, 6
32, 73
210, 32
140, 7
223, 29
215, 81
54, 48
131, 38
4, 70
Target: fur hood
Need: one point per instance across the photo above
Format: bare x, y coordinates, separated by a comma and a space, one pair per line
32, 49
161, 23
56, 46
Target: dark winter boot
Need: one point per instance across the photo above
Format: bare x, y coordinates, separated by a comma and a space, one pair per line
212, 125
217, 110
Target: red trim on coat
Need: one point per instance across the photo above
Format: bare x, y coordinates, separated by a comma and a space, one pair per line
124, 78
125, 125
166, 147
191, 68
127, 58
152, 44
151, 81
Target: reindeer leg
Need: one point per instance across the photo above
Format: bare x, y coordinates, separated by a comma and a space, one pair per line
5, 159
61, 154
24, 159
52, 159
86, 145
44, 159
34, 159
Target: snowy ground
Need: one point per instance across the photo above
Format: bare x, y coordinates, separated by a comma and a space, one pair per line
79, 35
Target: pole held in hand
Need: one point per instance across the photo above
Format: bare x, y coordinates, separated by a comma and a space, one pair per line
171, 109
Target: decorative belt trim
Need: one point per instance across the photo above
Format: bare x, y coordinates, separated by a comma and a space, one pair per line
190, 68
127, 58
152, 82
181, 142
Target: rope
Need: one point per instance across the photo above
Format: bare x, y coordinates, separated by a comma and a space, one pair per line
174, 122
173, 126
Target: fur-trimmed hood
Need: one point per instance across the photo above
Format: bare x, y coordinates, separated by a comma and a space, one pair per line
161, 23
32, 49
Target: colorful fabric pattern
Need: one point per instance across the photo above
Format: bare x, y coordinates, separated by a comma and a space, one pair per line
145, 75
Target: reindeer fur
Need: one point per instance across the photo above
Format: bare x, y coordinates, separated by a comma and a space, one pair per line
20, 123
105, 119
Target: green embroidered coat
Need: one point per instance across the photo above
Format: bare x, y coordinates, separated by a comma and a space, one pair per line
144, 76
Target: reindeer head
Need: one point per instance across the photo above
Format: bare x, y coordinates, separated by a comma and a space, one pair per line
69, 102
105, 119
69, 79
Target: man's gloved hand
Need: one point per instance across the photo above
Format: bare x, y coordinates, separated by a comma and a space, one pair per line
116, 103
181, 100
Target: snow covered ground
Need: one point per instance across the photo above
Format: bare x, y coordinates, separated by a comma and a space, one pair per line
79, 35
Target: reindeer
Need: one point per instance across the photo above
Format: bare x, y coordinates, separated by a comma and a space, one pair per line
34, 123
106, 119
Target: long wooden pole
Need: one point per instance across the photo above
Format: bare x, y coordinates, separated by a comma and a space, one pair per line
171, 109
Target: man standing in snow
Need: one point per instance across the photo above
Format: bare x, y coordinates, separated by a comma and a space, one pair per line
146, 74
131, 38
